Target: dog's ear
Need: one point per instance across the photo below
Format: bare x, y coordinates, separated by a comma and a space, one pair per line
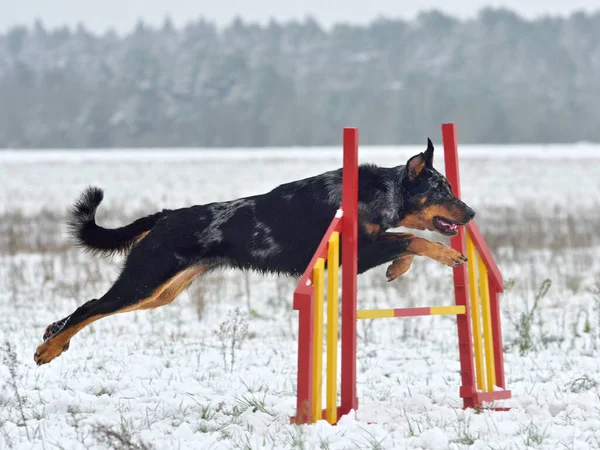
415, 166
429, 154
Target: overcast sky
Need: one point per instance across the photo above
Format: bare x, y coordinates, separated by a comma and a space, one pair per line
121, 15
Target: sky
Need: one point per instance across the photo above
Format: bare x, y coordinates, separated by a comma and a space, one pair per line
121, 15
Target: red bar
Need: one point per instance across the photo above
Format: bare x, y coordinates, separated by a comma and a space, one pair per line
461, 294
491, 396
497, 337
349, 270
320, 252
411, 312
486, 255
304, 302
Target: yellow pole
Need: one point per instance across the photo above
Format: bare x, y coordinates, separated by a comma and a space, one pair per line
374, 313
475, 315
333, 266
318, 281
487, 326
447, 310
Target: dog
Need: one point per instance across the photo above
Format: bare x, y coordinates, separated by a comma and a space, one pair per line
276, 232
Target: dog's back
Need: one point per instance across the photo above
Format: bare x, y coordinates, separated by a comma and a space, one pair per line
275, 232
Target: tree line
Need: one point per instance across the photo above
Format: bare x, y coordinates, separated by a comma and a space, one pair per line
501, 78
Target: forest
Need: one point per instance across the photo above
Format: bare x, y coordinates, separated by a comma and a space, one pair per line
499, 77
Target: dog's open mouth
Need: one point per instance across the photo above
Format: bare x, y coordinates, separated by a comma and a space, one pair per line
445, 226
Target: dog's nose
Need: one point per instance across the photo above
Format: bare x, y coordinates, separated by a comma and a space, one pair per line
470, 212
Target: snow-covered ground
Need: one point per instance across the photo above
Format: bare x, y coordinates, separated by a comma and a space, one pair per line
162, 379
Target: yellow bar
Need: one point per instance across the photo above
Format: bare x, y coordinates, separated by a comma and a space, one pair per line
374, 313
475, 315
333, 265
484, 291
318, 281
447, 310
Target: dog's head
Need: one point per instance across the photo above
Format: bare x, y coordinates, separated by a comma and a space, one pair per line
429, 203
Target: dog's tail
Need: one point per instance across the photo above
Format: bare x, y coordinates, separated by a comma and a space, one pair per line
98, 240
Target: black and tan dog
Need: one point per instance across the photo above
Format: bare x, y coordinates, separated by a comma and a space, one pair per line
275, 232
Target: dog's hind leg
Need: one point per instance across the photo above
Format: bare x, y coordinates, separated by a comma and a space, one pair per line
146, 282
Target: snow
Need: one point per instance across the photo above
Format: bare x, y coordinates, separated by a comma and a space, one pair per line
579, 151
163, 378
483, 183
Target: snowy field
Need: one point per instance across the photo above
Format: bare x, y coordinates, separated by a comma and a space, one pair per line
167, 379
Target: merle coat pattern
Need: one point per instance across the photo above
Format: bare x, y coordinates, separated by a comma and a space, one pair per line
276, 232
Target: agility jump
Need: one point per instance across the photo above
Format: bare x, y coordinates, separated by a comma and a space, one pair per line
476, 289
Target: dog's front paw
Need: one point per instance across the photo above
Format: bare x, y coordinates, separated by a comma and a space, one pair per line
450, 257
399, 267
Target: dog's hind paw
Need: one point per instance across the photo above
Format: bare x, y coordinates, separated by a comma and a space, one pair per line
53, 344
49, 350
55, 328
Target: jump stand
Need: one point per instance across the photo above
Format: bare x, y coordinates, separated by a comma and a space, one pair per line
477, 286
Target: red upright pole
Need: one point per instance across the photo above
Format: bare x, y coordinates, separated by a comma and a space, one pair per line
461, 293
304, 302
497, 337
349, 270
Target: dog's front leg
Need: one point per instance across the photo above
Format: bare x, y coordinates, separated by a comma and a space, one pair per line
373, 251
436, 251
422, 247
402, 263
399, 267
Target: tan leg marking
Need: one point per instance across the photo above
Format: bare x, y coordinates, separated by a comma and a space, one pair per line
399, 267
436, 251
163, 295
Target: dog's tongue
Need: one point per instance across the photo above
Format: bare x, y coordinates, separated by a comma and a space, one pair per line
451, 226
